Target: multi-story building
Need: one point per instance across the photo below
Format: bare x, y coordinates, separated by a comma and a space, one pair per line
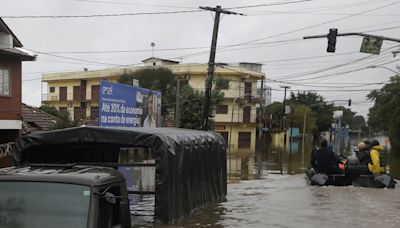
77, 93
11, 57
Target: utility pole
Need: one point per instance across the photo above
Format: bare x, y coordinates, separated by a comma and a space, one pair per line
260, 127
282, 125
303, 139
283, 108
178, 104
211, 63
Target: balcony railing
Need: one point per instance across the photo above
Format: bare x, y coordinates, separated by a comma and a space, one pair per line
68, 97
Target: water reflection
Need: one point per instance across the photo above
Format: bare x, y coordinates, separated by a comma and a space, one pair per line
293, 159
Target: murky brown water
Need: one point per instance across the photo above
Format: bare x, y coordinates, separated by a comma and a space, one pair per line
278, 200
288, 201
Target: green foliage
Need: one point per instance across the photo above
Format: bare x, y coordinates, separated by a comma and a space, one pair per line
50, 110
323, 110
274, 110
192, 106
385, 114
298, 112
155, 78
63, 120
358, 123
221, 83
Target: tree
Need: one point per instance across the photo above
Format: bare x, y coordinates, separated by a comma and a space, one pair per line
298, 112
274, 110
63, 120
385, 114
317, 103
155, 78
192, 105
358, 122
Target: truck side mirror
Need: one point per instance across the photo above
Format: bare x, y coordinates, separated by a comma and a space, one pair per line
110, 198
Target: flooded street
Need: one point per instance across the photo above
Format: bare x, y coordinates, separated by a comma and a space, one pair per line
278, 200
288, 201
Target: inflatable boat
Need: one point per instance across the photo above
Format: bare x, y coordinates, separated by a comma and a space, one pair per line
345, 179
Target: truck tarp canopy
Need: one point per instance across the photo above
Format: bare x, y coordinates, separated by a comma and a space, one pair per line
190, 164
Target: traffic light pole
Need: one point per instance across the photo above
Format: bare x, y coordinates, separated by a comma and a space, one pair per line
354, 34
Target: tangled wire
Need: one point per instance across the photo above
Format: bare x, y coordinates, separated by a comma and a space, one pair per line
6, 149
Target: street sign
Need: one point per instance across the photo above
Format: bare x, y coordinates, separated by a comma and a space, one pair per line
288, 110
371, 45
337, 114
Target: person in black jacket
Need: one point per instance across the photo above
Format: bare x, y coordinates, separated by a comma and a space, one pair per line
324, 160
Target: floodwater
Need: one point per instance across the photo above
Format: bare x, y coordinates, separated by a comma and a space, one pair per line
287, 200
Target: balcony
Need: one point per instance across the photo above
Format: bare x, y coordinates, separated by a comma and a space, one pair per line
68, 97
50, 97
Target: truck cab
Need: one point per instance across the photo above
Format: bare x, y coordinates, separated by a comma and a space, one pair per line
53, 195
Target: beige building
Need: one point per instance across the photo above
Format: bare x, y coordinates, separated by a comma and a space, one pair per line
77, 93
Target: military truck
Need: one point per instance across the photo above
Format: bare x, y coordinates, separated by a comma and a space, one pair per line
88, 176
49, 195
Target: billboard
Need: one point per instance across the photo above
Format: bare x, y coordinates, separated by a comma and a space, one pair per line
128, 106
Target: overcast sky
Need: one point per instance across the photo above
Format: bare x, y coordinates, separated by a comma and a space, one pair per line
270, 33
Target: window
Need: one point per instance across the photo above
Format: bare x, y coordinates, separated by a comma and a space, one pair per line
79, 113
94, 112
63, 93
247, 88
222, 109
244, 139
5, 82
52, 89
77, 93
95, 92
246, 114
43, 204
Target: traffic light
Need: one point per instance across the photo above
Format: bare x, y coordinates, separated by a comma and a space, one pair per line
349, 102
332, 40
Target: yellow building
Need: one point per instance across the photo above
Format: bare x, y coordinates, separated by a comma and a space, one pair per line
77, 93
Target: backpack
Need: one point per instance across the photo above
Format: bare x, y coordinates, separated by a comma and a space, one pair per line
382, 159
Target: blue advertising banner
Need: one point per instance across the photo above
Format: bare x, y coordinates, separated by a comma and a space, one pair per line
128, 106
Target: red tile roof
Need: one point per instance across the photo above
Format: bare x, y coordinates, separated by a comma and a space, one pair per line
35, 120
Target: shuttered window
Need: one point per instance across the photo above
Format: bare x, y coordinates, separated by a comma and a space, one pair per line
222, 109
244, 140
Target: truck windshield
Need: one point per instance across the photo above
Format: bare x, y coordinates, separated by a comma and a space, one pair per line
43, 204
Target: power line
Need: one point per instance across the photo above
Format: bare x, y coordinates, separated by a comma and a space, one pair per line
136, 4
319, 24
330, 68
101, 15
270, 4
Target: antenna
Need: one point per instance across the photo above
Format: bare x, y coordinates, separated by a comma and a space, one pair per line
152, 49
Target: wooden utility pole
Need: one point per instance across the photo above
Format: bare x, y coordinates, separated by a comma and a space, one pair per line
178, 103
211, 63
260, 128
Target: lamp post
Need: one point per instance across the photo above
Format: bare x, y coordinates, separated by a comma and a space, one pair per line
282, 124
230, 138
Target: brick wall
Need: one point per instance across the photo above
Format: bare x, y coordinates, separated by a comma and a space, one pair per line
10, 106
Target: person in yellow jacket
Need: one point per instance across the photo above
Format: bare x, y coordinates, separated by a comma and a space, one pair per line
374, 164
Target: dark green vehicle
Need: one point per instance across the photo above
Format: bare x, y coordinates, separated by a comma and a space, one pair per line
122, 177
40, 196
